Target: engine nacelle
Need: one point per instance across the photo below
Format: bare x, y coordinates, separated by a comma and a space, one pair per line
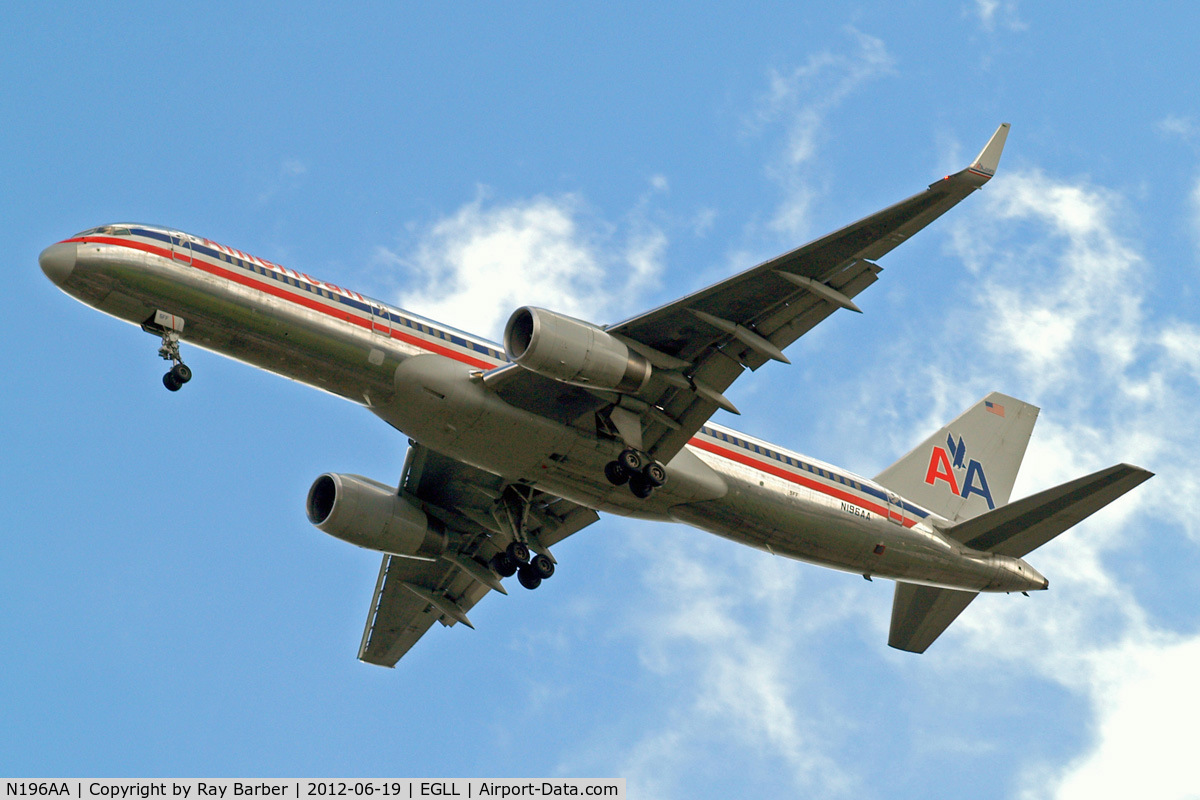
371, 515
573, 351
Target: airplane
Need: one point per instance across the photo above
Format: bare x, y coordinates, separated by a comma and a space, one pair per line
513, 447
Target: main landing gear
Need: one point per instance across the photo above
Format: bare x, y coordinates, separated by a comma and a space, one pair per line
512, 515
642, 473
515, 559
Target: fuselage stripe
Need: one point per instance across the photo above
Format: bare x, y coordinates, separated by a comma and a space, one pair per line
799, 463
771, 469
275, 291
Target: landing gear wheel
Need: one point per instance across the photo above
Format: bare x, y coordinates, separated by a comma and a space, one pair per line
504, 566
640, 486
655, 474
171, 382
182, 373
616, 474
542, 565
528, 577
518, 552
631, 460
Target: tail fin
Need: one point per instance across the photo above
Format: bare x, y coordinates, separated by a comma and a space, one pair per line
969, 466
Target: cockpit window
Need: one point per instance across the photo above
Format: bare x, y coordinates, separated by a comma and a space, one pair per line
104, 230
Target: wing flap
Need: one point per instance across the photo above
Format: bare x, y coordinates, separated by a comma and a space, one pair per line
399, 616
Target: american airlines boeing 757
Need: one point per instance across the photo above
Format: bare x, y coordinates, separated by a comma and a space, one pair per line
515, 447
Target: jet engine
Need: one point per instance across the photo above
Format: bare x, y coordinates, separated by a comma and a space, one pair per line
371, 515
573, 351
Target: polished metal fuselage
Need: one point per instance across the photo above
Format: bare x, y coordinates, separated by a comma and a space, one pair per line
424, 379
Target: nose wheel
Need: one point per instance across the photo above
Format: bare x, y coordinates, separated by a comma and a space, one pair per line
168, 327
177, 376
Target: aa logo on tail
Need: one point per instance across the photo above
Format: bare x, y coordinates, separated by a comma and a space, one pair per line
947, 463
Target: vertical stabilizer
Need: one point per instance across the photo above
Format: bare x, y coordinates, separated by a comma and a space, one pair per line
969, 466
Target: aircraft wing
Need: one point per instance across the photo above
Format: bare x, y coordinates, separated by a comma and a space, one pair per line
748, 319
702, 342
477, 509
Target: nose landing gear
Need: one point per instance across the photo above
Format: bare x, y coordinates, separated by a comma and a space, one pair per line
169, 326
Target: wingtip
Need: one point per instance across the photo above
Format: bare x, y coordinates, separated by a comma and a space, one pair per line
986, 163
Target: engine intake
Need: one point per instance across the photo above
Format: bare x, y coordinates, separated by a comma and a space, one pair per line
573, 351
371, 515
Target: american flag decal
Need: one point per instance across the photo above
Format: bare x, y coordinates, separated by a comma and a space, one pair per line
995, 408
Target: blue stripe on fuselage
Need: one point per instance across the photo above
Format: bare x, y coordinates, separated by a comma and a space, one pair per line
798, 464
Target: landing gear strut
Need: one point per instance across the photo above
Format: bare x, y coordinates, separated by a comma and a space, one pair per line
168, 326
642, 473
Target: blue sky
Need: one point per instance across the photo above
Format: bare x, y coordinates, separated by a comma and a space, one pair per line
166, 609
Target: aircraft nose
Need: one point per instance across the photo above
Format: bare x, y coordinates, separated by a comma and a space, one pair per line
58, 261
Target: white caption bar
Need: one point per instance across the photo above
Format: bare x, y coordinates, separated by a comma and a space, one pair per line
227, 788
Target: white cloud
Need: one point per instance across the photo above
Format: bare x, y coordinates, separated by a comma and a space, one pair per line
1175, 125
1186, 129
474, 267
1060, 294
703, 221
289, 177
728, 632
1086, 309
801, 100
1194, 204
1148, 699
999, 13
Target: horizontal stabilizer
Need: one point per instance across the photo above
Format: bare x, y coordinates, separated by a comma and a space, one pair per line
1021, 527
921, 613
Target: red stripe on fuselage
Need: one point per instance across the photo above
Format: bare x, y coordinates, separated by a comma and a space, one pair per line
746, 459
283, 294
